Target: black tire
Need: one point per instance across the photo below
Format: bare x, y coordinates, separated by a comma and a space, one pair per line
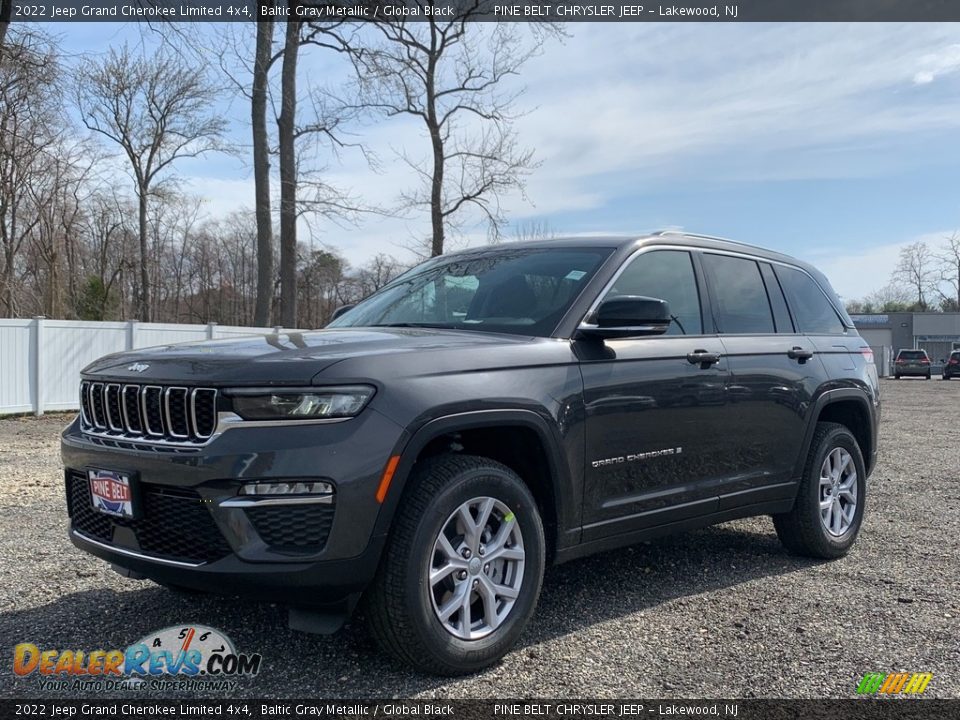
896, 377
398, 606
928, 376
801, 530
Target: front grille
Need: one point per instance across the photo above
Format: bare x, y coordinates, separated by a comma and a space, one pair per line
174, 523
300, 528
148, 412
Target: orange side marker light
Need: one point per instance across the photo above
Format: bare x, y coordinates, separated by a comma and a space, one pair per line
387, 478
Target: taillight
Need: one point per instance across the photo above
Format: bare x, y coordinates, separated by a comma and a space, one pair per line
867, 354
953, 361
924, 361
900, 362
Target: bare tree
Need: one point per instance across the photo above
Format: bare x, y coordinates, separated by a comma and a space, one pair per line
29, 125
949, 258
261, 165
450, 73
286, 134
917, 271
158, 110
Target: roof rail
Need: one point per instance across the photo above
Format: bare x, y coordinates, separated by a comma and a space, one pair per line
701, 236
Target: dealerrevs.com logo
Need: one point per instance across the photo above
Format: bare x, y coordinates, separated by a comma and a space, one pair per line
189, 657
894, 683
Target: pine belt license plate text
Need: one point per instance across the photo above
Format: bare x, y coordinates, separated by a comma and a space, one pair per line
110, 492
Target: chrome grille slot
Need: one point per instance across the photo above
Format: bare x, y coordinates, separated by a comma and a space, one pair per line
85, 403
130, 397
96, 402
203, 411
155, 414
175, 412
152, 402
113, 410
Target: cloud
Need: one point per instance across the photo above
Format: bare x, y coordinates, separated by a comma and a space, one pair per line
943, 62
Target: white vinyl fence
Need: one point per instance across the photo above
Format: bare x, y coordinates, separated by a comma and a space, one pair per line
40, 359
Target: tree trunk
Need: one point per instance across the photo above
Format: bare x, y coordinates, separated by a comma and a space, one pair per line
261, 171
286, 127
436, 143
6, 11
144, 310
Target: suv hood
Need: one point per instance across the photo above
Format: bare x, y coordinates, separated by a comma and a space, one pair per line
281, 359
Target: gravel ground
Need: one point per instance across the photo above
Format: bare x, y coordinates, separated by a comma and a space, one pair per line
722, 612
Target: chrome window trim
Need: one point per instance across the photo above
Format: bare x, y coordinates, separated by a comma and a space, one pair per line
693, 249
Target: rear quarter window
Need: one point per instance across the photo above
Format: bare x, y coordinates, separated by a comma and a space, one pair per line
813, 313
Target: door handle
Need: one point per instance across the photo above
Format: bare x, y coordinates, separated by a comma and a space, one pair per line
703, 358
799, 353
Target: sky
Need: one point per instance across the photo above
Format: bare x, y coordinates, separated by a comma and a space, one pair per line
835, 143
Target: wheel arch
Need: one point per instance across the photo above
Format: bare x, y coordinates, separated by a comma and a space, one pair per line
520, 439
848, 407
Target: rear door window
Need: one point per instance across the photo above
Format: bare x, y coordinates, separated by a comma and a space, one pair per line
740, 301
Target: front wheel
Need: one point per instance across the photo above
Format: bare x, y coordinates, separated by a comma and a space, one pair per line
828, 512
462, 571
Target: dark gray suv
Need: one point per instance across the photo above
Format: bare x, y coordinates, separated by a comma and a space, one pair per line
486, 414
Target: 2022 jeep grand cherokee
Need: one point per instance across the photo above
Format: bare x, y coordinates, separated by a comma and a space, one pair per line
486, 413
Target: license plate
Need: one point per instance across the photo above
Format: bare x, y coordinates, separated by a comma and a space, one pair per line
111, 492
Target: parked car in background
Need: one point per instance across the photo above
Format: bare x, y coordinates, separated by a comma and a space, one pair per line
951, 368
912, 362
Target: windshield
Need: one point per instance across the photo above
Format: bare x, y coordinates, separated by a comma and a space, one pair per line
519, 291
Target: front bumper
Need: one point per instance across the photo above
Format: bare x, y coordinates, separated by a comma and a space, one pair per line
187, 533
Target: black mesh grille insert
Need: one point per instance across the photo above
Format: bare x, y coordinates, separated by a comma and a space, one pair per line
99, 417
293, 527
153, 409
131, 405
174, 524
205, 411
114, 414
176, 407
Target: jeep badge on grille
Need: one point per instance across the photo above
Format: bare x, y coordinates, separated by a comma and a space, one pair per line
138, 367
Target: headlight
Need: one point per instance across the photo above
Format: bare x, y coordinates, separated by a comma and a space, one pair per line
300, 404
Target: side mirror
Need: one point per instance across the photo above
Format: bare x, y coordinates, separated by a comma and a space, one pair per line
627, 316
341, 310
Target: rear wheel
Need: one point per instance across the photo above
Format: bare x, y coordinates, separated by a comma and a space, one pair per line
896, 377
828, 512
462, 572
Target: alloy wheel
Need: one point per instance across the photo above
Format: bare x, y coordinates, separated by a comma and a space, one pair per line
476, 569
